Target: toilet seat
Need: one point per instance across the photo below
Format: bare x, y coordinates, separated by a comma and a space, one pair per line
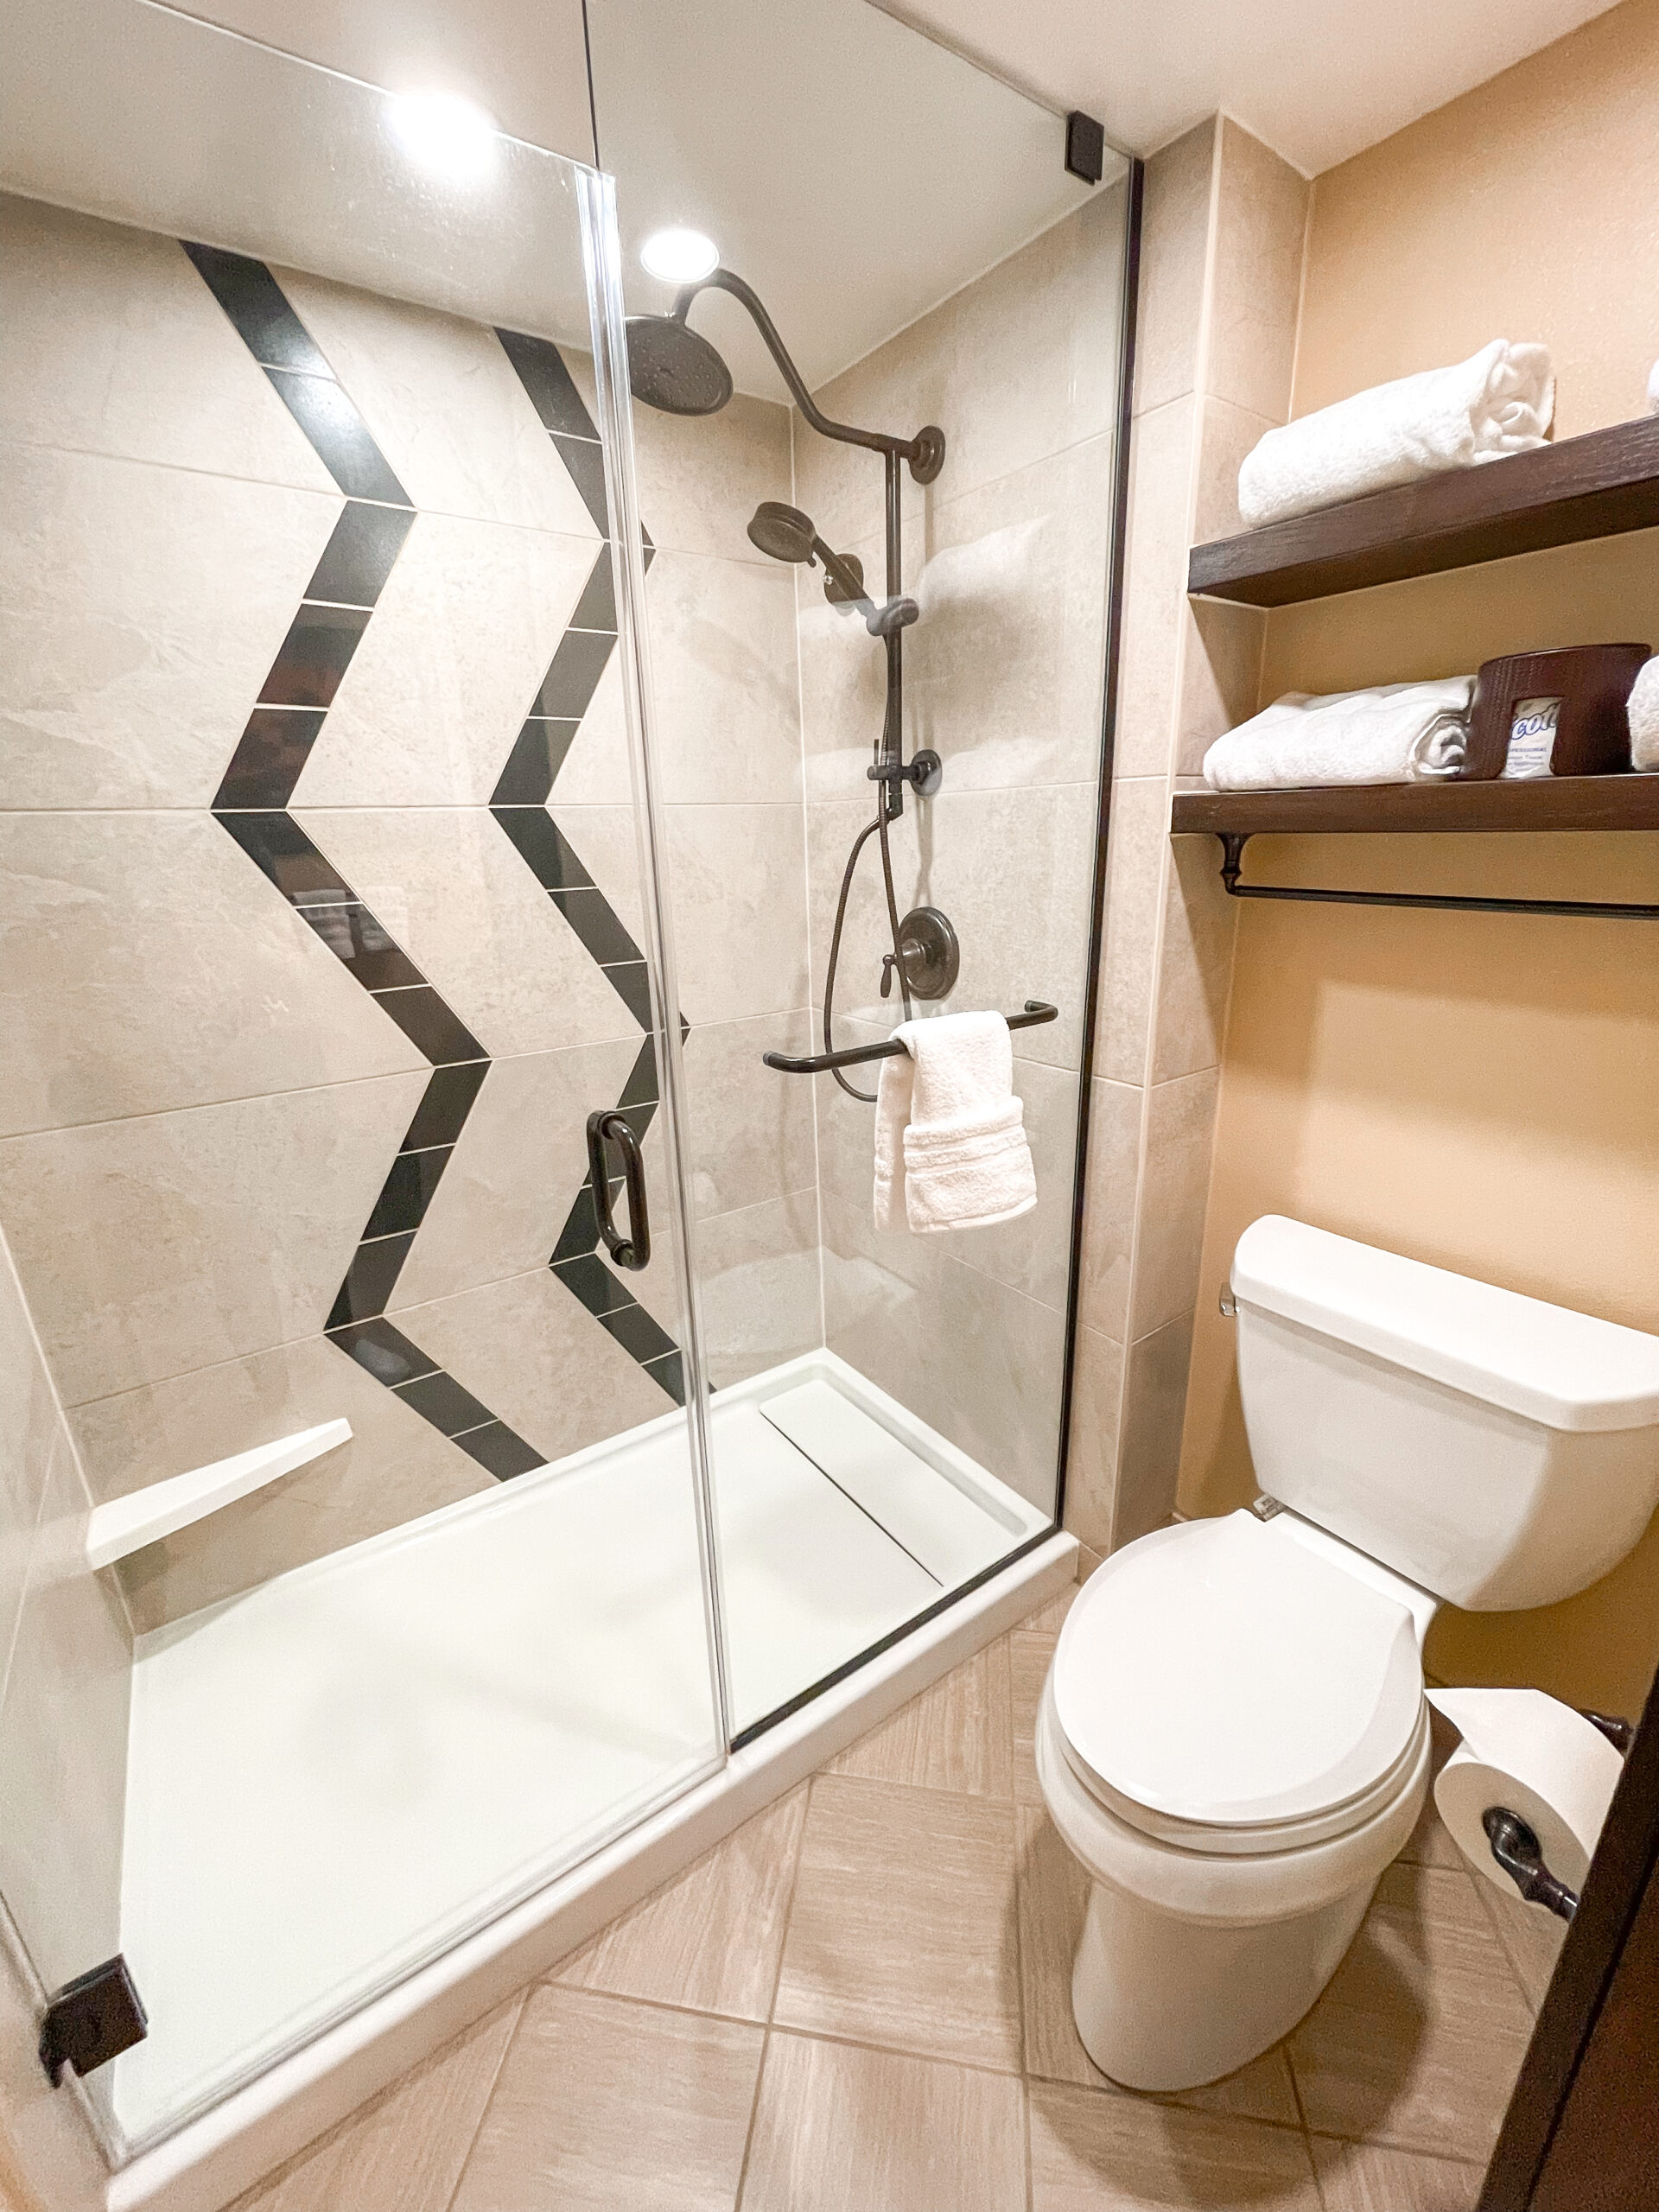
1226, 1689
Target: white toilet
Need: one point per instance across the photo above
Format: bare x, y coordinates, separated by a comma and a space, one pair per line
1234, 1738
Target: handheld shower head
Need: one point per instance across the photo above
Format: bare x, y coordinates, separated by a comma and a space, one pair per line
782, 533
673, 368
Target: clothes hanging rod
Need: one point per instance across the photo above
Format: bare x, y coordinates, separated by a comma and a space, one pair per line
1035, 1014
1233, 842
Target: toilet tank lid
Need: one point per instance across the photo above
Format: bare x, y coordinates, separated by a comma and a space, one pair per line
1550, 1364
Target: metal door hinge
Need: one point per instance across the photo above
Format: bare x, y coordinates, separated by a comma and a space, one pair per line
93, 2019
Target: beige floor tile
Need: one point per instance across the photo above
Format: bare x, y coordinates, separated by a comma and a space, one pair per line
603, 2106
902, 1931
1418, 2039
1029, 1655
711, 1939
954, 1736
1094, 2153
1053, 1891
841, 2129
405, 2151
1531, 1938
1367, 2177
1049, 1620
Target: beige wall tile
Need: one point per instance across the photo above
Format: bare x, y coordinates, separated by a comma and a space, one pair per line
1113, 1175
450, 889
603, 2106
29, 1426
1154, 588
63, 1743
1174, 240
1226, 434
445, 406
396, 1468
1418, 2039
710, 1940
153, 1246
1181, 1125
1136, 851
762, 1298
727, 720
403, 2151
899, 1932
1092, 2152
460, 640
111, 343
749, 1133
954, 1736
531, 1350
1154, 1398
517, 1167
736, 890
147, 964
701, 479
1096, 1412
1261, 222
1220, 675
1367, 2177
141, 608
838, 2129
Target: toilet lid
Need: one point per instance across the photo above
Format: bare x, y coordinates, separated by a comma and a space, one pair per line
1221, 1674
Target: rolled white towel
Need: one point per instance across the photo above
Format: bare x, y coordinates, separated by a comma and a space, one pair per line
1497, 402
1643, 708
1399, 734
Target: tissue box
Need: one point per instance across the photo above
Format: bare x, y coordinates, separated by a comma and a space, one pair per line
1554, 713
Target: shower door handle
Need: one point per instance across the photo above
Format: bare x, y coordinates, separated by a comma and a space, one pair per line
633, 1250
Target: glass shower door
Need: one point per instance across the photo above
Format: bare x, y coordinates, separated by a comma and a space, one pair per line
338, 1170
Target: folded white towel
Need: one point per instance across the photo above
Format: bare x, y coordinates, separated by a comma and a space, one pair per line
950, 1150
1643, 708
1653, 389
1497, 402
1399, 734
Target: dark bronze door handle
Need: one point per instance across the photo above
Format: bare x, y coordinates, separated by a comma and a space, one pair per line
633, 1250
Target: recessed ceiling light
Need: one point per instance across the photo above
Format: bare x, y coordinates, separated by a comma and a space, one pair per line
680, 257
445, 133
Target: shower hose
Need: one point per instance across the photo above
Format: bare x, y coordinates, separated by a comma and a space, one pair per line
886, 750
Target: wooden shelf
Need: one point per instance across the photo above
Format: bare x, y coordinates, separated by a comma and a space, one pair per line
1594, 487
1547, 803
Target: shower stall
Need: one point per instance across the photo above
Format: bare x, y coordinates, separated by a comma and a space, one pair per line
494, 745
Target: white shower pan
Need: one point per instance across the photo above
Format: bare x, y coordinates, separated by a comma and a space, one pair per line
338, 1777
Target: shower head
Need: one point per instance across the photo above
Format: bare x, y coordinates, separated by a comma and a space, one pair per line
671, 367
783, 533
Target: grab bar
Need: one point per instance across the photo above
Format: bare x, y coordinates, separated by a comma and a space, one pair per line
1035, 1014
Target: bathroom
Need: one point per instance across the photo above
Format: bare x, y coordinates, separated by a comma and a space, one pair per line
565, 566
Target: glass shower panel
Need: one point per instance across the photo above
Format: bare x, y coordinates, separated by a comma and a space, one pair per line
892, 246
337, 1154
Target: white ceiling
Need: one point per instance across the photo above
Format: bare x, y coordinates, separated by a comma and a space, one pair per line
1318, 80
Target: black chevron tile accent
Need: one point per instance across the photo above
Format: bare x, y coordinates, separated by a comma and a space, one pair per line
252, 803
519, 803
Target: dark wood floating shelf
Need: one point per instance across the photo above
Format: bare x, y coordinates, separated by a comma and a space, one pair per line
1543, 802
1597, 486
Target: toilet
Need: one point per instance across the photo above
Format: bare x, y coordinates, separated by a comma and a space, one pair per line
1233, 1738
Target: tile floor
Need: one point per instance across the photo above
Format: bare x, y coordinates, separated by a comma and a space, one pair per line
860, 2002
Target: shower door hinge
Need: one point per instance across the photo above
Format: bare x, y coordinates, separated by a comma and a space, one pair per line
93, 2019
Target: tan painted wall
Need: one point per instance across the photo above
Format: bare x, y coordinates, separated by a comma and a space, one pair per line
1479, 1091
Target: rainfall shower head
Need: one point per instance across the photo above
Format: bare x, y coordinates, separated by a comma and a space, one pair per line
671, 367
784, 533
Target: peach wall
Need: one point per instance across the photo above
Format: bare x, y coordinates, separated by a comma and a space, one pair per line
1479, 1092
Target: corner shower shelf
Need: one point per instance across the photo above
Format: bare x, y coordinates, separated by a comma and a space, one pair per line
1597, 485
1547, 802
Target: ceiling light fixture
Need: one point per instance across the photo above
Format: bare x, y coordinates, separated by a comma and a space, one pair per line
679, 256
445, 134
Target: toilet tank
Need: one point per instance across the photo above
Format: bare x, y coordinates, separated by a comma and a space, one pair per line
1496, 1449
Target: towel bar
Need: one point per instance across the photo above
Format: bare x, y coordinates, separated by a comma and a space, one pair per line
1233, 842
1035, 1014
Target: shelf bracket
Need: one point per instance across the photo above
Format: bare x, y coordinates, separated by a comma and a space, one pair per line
1233, 842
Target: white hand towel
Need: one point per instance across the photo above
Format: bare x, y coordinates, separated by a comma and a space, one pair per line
1643, 708
1399, 734
1497, 402
950, 1149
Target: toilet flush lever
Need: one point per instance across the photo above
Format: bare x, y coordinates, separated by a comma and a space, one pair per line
1228, 1304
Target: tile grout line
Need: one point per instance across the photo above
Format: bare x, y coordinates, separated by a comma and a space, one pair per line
489, 2096
772, 2001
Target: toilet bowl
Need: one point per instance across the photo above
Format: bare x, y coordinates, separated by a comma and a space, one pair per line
1233, 1739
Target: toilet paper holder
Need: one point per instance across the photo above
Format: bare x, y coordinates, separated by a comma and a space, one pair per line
1517, 1848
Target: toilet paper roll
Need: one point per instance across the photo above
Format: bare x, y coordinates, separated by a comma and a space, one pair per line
1545, 1762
